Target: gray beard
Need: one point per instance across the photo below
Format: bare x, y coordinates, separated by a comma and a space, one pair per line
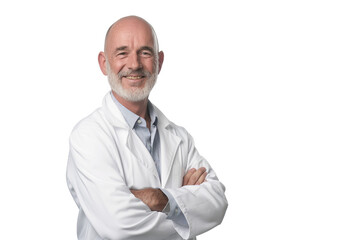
133, 94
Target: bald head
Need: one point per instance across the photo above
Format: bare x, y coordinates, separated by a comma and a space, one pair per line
128, 25
131, 58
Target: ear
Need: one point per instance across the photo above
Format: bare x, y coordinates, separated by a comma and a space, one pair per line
102, 62
161, 60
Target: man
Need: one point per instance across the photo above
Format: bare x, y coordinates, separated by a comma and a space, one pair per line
133, 173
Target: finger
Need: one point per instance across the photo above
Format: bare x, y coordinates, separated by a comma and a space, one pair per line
187, 176
195, 177
201, 179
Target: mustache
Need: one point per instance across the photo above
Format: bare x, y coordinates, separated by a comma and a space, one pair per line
139, 72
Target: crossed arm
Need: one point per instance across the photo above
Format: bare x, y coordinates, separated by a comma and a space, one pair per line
156, 200
117, 212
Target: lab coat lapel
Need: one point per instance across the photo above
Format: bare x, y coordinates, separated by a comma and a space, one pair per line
133, 143
139, 151
169, 144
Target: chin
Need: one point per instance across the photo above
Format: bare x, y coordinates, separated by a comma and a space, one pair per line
134, 94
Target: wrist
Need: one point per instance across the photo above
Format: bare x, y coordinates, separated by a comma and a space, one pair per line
161, 200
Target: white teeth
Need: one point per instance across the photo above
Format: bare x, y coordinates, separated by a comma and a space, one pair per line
133, 77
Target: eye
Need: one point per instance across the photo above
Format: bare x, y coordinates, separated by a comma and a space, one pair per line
146, 53
121, 54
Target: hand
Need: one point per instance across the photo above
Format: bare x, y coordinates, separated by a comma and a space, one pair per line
195, 177
154, 198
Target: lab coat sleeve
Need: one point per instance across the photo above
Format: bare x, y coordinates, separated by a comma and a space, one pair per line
204, 205
97, 185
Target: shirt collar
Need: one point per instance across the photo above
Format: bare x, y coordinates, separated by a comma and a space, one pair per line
131, 118
152, 114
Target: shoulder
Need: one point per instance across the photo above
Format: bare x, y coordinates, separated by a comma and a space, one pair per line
92, 127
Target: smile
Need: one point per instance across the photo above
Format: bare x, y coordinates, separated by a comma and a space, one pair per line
134, 77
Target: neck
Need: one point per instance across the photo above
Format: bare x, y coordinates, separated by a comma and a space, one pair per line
139, 108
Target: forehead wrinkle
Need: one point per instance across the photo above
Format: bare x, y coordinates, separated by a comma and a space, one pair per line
121, 48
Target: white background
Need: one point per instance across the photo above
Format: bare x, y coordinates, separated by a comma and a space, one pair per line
268, 89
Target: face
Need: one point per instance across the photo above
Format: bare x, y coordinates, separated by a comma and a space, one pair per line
131, 60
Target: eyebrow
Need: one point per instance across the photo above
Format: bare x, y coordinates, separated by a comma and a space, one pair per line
121, 48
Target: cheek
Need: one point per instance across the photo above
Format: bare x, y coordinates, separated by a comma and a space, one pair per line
148, 64
117, 66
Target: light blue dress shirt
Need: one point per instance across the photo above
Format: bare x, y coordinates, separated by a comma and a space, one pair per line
151, 140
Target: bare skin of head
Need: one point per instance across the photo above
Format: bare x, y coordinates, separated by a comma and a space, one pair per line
130, 46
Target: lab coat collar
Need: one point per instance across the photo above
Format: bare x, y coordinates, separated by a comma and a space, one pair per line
112, 113
117, 119
169, 142
132, 118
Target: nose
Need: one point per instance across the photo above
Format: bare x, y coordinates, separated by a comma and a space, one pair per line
133, 62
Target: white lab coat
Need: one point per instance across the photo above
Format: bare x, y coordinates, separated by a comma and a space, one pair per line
107, 159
